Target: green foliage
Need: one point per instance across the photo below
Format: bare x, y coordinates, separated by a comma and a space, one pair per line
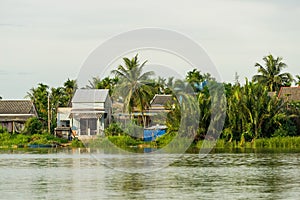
286, 129
76, 143
46, 138
124, 141
134, 130
39, 96
277, 142
251, 113
271, 74
3, 129
113, 130
59, 97
105, 83
297, 81
8, 140
165, 139
33, 126
134, 86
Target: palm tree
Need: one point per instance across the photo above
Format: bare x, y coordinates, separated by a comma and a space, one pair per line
39, 96
69, 87
271, 75
194, 78
134, 85
94, 83
297, 81
106, 83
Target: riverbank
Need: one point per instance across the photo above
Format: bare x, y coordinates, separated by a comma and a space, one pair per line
128, 143
8, 140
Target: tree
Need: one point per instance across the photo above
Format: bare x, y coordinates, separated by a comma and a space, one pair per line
59, 97
33, 126
133, 85
39, 96
270, 75
106, 83
251, 113
70, 87
297, 81
194, 78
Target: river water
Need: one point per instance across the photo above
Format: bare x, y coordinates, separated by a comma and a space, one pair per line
77, 174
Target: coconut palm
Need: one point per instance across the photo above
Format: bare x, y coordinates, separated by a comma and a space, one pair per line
194, 78
270, 75
39, 96
133, 85
297, 81
105, 83
94, 83
69, 87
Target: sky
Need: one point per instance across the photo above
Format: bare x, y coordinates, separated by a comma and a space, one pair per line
48, 41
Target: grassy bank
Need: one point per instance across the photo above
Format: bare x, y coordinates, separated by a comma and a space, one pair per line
125, 142
271, 143
8, 140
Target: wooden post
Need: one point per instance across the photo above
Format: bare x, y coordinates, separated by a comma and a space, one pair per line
13, 126
48, 113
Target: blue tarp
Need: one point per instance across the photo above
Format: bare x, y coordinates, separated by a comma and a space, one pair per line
152, 134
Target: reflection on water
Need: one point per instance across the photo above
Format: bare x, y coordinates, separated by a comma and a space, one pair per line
76, 174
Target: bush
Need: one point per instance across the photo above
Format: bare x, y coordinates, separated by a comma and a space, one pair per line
113, 130
33, 126
124, 141
3, 129
134, 130
286, 129
76, 143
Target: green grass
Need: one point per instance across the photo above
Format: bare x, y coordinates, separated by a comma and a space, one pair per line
278, 142
8, 140
268, 143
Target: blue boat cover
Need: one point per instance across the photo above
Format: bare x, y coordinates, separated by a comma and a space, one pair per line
152, 134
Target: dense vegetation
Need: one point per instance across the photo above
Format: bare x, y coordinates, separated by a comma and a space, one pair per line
252, 114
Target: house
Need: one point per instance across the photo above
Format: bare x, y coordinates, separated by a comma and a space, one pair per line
89, 115
14, 114
64, 123
289, 94
159, 102
157, 116
158, 109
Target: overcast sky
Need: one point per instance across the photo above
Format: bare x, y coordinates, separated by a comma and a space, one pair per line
47, 41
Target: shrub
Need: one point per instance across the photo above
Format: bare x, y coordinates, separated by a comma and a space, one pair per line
76, 143
33, 126
134, 130
286, 129
3, 129
113, 130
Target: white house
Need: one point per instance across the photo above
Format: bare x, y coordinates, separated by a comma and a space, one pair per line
91, 112
64, 122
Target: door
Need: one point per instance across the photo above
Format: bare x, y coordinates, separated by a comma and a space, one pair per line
88, 126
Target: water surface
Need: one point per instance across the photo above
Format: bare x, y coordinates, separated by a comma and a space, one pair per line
76, 174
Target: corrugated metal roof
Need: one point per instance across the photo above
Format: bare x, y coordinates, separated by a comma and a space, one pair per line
161, 99
90, 96
16, 107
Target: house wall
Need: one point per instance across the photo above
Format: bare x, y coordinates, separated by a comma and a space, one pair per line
100, 126
61, 117
102, 122
91, 105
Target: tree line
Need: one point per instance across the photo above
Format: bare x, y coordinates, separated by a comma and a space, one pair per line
251, 112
